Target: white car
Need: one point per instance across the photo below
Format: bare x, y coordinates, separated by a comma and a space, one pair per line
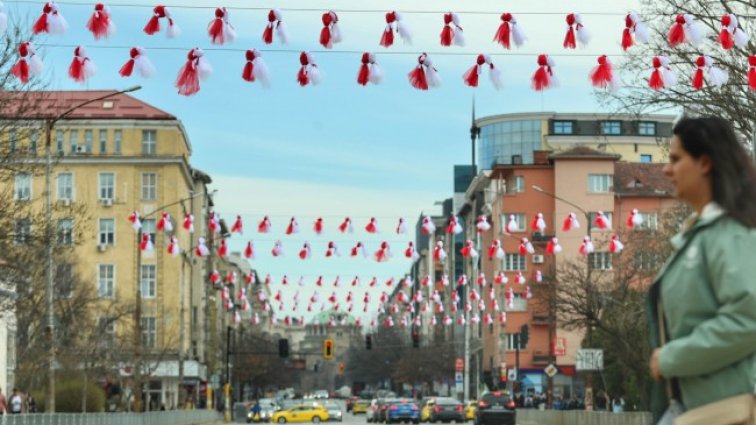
372, 411
320, 394
334, 412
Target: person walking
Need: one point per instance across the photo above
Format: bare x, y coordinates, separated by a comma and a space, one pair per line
702, 304
16, 403
31, 403
3, 403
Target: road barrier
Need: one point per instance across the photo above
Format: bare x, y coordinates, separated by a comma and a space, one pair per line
171, 417
581, 417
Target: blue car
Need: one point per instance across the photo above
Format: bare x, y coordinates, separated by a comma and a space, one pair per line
402, 410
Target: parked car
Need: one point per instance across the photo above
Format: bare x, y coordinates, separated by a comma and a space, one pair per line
496, 408
334, 411
360, 406
402, 410
320, 394
470, 409
301, 413
371, 415
447, 409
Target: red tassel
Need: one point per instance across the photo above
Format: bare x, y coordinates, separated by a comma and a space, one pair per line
128, 68
627, 39
503, 34
153, 25
602, 75
656, 81
268, 34
215, 30
325, 33
698, 76
677, 32
363, 77
21, 70
188, 79
387, 39
446, 36
302, 77
725, 37
542, 76
752, 72
417, 78
471, 76
41, 25
76, 69
248, 72
99, 23
569, 39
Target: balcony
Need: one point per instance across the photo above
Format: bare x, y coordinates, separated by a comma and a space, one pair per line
538, 237
541, 358
540, 320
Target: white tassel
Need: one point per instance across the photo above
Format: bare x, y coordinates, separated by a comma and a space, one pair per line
740, 38
434, 80
695, 32
261, 72
144, 66
404, 31
495, 75
518, 35
314, 73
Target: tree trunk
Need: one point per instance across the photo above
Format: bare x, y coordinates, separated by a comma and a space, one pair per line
84, 390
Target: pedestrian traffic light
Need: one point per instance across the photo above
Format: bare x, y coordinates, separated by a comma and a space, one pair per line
369, 342
524, 336
328, 349
341, 368
283, 348
415, 339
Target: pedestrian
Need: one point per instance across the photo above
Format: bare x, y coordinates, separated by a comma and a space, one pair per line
16, 403
3, 403
31, 403
702, 305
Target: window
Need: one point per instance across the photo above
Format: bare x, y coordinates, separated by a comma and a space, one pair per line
646, 158
516, 184
611, 128
65, 231
649, 221
107, 231
518, 218
23, 231
73, 137
149, 226
106, 326
106, 280
149, 142
64, 280
107, 186
117, 135
12, 140
149, 332
516, 159
609, 217
33, 139
147, 278
23, 187
600, 183
65, 186
103, 141
647, 128
88, 140
59, 142
563, 127
647, 261
149, 186
514, 262
510, 342
600, 260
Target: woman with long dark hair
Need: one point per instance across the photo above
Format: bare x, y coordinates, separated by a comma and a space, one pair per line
702, 305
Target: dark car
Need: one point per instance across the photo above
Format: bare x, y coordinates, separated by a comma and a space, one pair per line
382, 407
447, 409
496, 408
402, 410
350, 401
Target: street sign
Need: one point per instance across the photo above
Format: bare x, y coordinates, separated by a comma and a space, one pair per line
460, 387
512, 374
459, 365
458, 377
551, 370
560, 347
589, 359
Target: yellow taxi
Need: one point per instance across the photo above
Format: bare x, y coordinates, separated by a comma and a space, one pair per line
360, 406
302, 413
470, 408
425, 411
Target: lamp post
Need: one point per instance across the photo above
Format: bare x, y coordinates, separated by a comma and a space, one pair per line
49, 126
588, 228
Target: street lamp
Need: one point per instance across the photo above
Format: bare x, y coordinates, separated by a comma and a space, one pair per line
49, 125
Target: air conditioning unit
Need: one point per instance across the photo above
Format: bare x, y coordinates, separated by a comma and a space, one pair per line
108, 202
81, 149
537, 259
102, 247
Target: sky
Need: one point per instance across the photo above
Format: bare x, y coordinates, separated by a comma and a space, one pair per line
336, 149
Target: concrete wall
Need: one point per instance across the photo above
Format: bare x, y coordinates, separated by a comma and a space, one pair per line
581, 417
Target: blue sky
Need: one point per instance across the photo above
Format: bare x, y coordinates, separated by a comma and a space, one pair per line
336, 149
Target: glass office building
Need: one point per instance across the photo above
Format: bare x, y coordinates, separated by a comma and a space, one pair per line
508, 142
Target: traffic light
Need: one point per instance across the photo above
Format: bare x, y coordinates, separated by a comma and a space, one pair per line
369, 342
328, 349
524, 336
415, 339
283, 348
341, 368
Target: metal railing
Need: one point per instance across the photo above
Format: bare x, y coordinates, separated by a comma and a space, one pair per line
171, 417
581, 417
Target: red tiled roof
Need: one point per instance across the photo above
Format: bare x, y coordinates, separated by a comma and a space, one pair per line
583, 152
636, 179
45, 104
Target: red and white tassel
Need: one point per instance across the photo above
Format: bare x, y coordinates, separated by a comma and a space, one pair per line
716, 77
662, 76
495, 250
544, 77
146, 243
394, 21
615, 246
332, 250
603, 76
752, 72
277, 250
264, 225
188, 223
601, 221
238, 226
539, 224
331, 33
462, 280
472, 75
512, 225
509, 31
28, 63
538, 276
571, 222
401, 227
411, 252
528, 293
153, 25
482, 225
137, 60
383, 253
359, 249
426, 280
250, 278
586, 247
275, 26
502, 317
215, 278
346, 226
635, 31
686, 30
439, 254
249, 251
553, 247
201, 250
173, 247
82, 68
293, 226
50, 21
452, 32
634, 219
731, 35
308, 71
372, 226
428, 226
304, 253
213, 223
317, 226
136, 222
424, 76
468, 250
576, 32
165, 224
255, 68
100, 23
369, 71
520, 278
526, 247
454, 227
222, 249
220, 29
356, 281
195, 69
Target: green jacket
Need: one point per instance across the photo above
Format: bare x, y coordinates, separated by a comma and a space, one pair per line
709, 301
